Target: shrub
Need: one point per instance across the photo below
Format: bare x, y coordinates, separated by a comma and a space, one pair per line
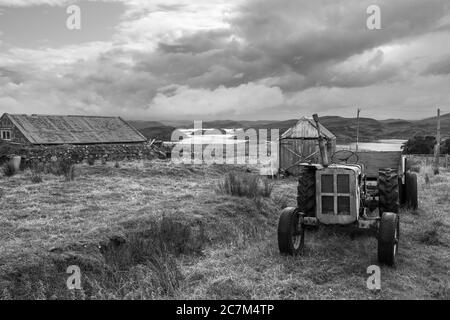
9, 170
53, 167
427, 179
419, 145
91, 160
67, 169
246, 185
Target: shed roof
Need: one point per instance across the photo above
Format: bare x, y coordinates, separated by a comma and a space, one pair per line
306, 128
50, 129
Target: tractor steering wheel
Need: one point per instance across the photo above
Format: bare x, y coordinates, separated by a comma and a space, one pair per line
344, 157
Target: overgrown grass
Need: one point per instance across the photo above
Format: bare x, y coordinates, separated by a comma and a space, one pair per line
126, 228
61, 167
245, 185
137, 266
158, 231
334, 264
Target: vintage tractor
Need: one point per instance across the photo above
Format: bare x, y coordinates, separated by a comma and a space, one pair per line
362, 190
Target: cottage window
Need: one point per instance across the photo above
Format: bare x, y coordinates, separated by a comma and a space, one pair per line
6, 134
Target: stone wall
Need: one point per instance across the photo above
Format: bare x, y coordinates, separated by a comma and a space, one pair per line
77, 153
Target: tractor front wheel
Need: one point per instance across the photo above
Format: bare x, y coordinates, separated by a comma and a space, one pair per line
291, 234
388, 238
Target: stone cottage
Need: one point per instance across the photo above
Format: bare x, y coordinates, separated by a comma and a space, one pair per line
69, 130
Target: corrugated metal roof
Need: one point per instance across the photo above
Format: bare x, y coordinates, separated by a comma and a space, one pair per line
306, 128
48, 129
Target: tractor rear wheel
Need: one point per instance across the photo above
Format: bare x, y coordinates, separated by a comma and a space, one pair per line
388, 191
411, 190
388, 238
291, 234
306, 191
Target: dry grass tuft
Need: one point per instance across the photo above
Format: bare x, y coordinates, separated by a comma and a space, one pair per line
36, 176
430, 237
245, 185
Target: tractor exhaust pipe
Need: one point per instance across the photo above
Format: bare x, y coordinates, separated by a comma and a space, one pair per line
322, 149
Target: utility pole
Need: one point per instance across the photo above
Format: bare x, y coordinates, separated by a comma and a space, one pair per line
437, 149
357, 128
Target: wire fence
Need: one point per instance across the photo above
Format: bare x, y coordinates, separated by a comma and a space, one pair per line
428, 159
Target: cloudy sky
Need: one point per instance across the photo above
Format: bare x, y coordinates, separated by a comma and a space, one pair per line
225, 59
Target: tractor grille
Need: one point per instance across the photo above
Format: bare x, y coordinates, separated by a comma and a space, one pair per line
335, 197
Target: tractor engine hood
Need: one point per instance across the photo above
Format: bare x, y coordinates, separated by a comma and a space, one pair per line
357, 168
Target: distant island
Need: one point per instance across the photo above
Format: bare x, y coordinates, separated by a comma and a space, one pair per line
343, 128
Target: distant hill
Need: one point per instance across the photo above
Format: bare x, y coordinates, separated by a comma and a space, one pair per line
141, 124
428, 126
223, 124
343, 128
158, 132
177, 123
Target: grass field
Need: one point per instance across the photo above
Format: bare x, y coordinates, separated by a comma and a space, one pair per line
154, 230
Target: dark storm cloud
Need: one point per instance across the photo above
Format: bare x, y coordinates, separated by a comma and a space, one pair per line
295, 43
205, 59
305, 35
271, 56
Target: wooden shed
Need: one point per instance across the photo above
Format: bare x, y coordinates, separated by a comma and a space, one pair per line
301, 144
